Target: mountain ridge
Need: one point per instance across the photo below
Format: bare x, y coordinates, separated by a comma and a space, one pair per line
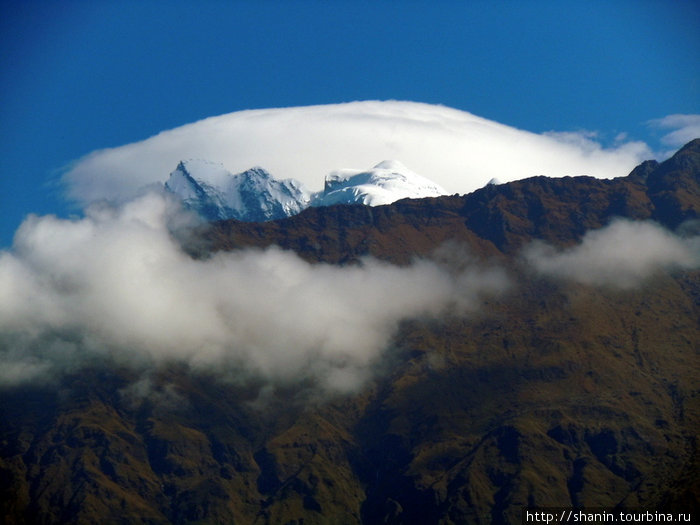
256, 196
494, 219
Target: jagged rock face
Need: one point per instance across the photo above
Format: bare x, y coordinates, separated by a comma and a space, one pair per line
254, 195
556, 394
674, 186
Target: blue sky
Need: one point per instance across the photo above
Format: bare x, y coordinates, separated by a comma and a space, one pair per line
79, 76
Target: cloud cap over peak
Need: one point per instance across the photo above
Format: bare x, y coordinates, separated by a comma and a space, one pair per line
458, 150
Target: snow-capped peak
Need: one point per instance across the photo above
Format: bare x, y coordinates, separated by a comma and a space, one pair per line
385, 183
393, 165
254, 195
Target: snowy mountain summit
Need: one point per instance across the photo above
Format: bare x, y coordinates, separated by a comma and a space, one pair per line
387, 182
255, 195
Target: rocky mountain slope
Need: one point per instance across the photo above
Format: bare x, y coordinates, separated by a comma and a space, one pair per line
556, 393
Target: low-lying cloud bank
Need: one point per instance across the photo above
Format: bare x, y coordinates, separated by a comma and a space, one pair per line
622, 255
458, 150
117, 284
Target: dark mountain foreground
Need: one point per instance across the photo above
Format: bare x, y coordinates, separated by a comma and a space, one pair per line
555, 393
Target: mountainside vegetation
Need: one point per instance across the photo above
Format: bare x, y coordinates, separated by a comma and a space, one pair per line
554, 393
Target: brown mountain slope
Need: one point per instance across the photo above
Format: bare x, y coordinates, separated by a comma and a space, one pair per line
589, 399
553, 394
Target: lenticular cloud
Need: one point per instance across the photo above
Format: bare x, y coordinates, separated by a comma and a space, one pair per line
458, 150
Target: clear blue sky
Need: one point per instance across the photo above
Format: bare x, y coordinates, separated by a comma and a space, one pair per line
76, 76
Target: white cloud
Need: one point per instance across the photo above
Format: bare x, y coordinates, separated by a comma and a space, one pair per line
458, 150
117, 284
683, 129
621, 255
